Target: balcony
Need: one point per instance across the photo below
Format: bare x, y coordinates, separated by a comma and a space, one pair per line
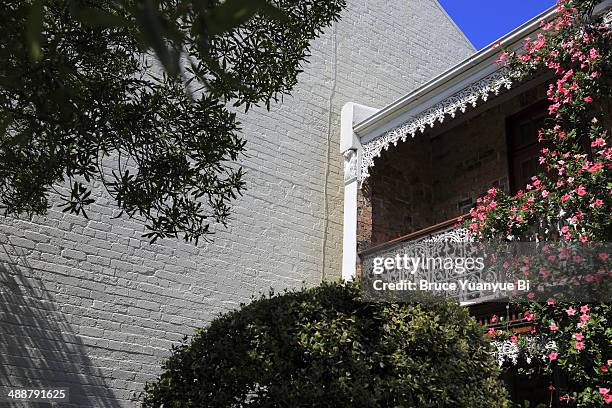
447, 240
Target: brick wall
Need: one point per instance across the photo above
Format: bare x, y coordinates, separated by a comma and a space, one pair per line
90, 305
435, 177
401, 191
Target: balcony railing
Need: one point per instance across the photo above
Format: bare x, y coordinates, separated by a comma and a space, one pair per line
444, 240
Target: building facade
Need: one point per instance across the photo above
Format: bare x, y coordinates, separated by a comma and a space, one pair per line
413, 168
92, 306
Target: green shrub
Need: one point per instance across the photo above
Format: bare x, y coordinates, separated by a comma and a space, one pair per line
327, 347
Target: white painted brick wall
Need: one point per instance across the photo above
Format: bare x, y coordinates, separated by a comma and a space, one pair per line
90, 305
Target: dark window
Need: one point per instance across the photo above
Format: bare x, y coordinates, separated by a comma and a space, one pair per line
523, 146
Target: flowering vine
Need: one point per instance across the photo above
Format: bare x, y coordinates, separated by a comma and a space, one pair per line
570, 200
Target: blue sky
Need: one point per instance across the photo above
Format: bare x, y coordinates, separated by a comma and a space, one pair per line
484, 21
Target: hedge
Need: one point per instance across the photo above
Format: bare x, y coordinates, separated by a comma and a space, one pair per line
327, 347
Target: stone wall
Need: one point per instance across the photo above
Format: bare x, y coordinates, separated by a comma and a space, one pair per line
90, 305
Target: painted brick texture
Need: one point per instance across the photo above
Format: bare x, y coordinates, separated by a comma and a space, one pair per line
90, 305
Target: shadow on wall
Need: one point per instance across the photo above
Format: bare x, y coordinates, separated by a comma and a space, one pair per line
38, 347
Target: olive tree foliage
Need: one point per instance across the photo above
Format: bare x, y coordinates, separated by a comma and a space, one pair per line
81, 103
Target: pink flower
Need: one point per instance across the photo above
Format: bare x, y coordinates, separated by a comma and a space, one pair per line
491, 332
607, 398
598, 142
514, 339
584, 317
528, 316
553, 327
501, 58
564, 229
579, 345
584, 239
595, 167
603, 368
604, 391
603, 256
531, 295
550, 301
580, 191
494, 319
553, 356
584, 309
579, 336
570, 311
545, 193
563, 253
553, 108
565, 197
587, 99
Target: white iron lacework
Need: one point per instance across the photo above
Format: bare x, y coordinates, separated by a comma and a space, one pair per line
534, 348
470, 95
447, 243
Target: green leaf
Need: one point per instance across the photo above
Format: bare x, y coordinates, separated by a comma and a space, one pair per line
233, 13
34, 27
153, 31
4, 123
100, 18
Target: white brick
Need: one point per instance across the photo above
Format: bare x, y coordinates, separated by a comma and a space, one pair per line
100, 306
